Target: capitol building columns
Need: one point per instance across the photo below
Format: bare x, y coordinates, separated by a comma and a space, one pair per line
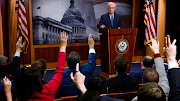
47, 31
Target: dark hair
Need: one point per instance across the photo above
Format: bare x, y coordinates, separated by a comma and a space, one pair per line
151, 92
30, 82
120, 63
150, 75
3, 60
91, 95
148, 61
41, 64
5, 70
72, 59
97, 83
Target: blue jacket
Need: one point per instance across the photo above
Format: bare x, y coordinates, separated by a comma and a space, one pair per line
138, 75
67, 87
105, 20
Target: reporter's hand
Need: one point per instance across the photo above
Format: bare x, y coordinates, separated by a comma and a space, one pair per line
91, 42
103, 26
155, 46
7, 88
63, 41
19, 45
7, 85
78, 79
170, 49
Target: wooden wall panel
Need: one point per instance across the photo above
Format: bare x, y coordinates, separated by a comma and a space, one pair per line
4, 15
1, 35
12, 27
161, 24
138, 22
84, 51
51, 54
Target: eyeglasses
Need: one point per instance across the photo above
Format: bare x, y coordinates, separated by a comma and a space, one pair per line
111, 8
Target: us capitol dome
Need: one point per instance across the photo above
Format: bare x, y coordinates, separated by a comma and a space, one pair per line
72, 17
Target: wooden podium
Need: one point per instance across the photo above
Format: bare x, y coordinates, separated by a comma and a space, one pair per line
114, 42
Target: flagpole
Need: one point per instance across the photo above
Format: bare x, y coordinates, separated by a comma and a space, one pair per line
23, 57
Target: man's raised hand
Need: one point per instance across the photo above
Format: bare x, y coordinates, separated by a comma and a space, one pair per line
19, 45
63, 40
91, 42
170, 49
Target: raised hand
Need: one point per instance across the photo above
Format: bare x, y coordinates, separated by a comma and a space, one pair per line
7, 88
78, 79
63, 40
91, 42
19, 45
155, 46
7, 85
170, 49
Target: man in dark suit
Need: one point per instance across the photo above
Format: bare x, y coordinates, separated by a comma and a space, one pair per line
121, 82
173, 70
110, 20
67, 87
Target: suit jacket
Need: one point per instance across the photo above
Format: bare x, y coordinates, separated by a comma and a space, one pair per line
107, 98
105, 20
122, 83
138, 75
174, 83
67, 87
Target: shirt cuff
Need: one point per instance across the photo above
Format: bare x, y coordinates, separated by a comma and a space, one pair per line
92, 51
172, 65
157, 55
17, 54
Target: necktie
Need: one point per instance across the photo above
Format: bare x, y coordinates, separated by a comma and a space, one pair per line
112, 20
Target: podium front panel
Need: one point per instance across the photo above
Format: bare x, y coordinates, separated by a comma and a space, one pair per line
114, 42
117, 43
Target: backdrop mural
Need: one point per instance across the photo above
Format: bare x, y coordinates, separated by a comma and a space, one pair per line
78, 18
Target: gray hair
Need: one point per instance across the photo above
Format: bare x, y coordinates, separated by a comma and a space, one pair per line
110, 4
